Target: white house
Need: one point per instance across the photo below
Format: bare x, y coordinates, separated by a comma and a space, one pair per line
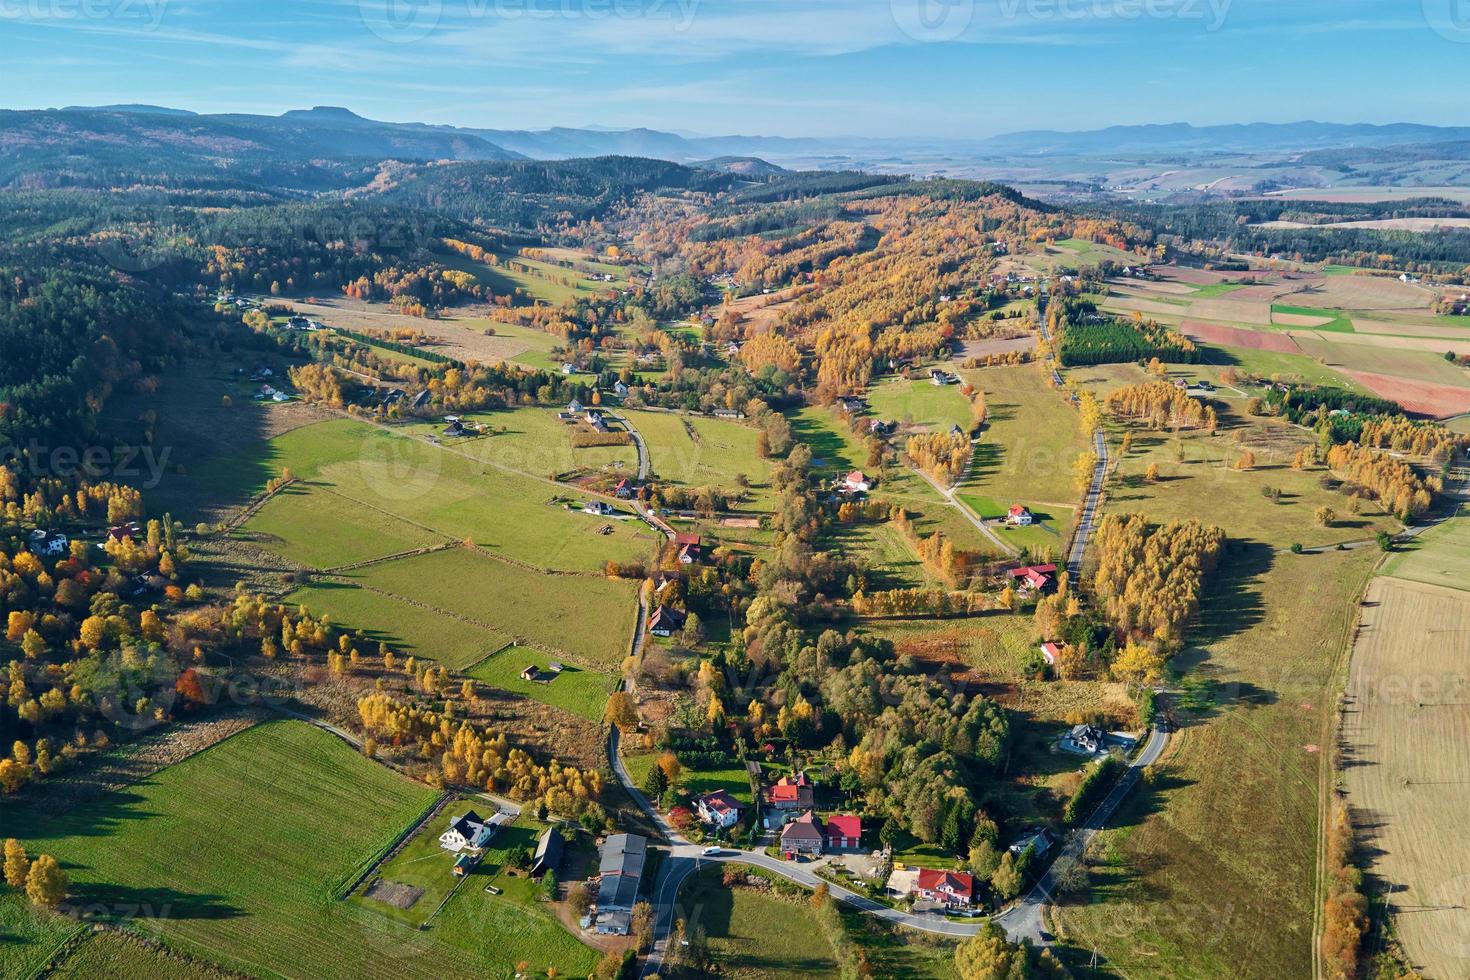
719, 809
1020, 516
598, 508
470, 831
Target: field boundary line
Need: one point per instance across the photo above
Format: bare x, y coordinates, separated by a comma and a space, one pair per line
427, 550
253, 507
433, 809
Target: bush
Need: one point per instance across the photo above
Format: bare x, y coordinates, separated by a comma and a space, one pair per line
1296, 547
1093, 788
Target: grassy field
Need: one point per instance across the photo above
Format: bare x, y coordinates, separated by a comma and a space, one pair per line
406, 628
920, 403
1209, 871
109, 954
1196, 467
892, 561
1028, 446
1336, 321
533, 440
278, 821
589, 618
903, 954
1405, 757
695, 451
444, 493
28, 938
578, 690
756, 935
293, 521
1439, 556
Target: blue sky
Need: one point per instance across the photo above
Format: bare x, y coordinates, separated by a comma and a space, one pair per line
771, 67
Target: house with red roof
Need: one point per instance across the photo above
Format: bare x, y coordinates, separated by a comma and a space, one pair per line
1034, 578
625, 489
719, 809
690, 548
856, 482
953, 888
790, 793
844, 832
1050, 652
1020, 516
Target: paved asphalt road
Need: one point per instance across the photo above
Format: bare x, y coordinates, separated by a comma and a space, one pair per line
1086, 522
1022, 921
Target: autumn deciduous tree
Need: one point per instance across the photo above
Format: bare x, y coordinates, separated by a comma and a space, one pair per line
1245, 461
1139, 665
621, 711
17, 864
1082, 469
1152, 473
46, 883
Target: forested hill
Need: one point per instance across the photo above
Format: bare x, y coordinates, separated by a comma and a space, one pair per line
527, 194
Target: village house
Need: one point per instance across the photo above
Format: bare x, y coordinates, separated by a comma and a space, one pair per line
851, 406
132, 530
1050, 652
941, 378
728, 413
666, 621
856, 482
1020, 516
955, 889
690, 548
574, 408
802, 836
620, 389
1038, 840
620, 877
844, 832
790, 793
1087, 738
598, 508
1033, 578
719, 809
48, 544
624, 489
549, 849
569, 368
471, 831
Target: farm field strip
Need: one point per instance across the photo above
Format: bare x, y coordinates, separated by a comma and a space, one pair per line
1406, 737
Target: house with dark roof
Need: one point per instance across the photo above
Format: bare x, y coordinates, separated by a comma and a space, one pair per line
666, 621
620, 877
471, 831
1037, 840
549, 849
48, 544
802, 836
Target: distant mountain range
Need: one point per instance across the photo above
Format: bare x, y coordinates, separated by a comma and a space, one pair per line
47, 147
349, 132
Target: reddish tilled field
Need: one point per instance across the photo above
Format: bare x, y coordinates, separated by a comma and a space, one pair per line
1417, 397
1235, 337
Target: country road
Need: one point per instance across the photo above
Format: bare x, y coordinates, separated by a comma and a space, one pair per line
1088, 518
1024, 920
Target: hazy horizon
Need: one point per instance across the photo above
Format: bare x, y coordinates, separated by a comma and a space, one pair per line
893, 68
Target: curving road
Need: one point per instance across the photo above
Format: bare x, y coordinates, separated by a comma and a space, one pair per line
1021, 921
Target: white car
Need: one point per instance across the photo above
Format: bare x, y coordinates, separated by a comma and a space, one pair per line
710, 852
